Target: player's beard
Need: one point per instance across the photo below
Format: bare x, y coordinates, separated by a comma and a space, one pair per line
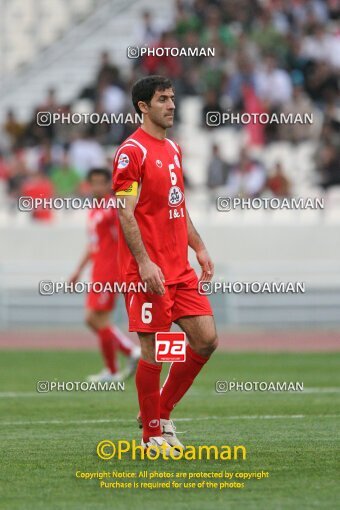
164, 122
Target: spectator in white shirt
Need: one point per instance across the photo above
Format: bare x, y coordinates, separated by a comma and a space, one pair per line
273, 85
85, 153
247, 178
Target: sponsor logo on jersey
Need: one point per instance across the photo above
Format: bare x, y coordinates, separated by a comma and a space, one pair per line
177, 161
123, 161
159, 163
176, 196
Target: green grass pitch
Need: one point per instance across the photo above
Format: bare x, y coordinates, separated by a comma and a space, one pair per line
46, 438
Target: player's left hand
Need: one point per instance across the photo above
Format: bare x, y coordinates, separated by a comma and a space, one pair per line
206, 264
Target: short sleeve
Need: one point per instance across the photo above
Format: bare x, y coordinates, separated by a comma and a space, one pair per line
127, 167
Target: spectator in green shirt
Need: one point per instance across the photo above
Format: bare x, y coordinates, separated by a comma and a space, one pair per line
65, 179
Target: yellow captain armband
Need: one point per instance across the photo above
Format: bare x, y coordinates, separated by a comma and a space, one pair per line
130, 191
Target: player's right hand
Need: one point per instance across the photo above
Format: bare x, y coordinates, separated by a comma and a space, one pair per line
152, 275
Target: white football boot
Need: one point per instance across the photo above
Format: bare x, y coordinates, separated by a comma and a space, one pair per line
169, 433
105, 376
158, 443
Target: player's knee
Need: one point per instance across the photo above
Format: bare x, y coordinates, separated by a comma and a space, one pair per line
147, 349
208, 344
148, 353
214, 343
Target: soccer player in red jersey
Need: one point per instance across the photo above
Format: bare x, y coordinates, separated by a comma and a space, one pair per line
102, 252
155, 233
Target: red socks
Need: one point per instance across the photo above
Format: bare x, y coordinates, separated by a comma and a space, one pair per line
179, 380
108, 348
154, 404
148, 382
111, 339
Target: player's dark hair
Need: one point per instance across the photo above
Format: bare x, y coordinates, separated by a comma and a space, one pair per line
99, 171
145, 88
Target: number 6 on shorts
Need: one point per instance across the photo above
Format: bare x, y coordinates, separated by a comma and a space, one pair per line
146, 313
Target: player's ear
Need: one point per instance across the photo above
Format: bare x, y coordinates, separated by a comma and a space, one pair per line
143, 106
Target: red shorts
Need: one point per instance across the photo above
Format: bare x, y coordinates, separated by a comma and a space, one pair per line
100, 301
149, 313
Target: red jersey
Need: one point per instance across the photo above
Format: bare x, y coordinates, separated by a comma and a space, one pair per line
39, 188
103, 234
156, 165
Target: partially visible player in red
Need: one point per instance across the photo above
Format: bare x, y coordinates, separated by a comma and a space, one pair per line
39, 186
156, 232
102, 253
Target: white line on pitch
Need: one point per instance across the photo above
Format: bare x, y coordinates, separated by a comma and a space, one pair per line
319, 390
272, 392
205, 418
20, 394
193, 392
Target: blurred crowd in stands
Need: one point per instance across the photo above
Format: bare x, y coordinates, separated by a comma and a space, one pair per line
270, 56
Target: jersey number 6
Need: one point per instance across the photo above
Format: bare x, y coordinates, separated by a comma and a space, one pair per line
173, 176
146, 313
